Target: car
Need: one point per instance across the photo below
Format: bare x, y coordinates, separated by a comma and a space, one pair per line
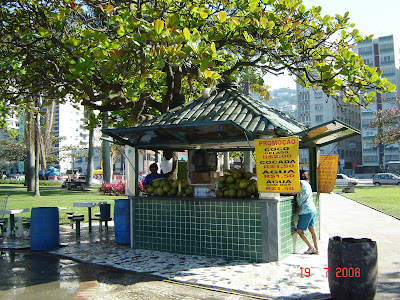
344, 180
385, 178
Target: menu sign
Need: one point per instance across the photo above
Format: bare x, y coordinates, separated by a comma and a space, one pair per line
277, 164
327, 171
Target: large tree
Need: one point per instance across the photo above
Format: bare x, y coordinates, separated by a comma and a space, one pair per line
134, 58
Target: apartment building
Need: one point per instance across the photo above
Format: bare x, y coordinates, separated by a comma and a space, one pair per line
69, 124
15, 124
383, 53
315, 108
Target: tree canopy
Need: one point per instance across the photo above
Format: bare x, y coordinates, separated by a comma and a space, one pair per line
143, 57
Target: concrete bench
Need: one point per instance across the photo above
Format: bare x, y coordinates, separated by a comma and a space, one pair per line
70, 216
349, 188
77, 219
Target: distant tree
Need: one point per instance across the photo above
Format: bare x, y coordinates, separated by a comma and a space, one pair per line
388, 120
11, 151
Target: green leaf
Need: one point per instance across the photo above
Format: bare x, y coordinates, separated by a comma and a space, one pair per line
215, 76
121, 31
186, 34
213, 50
195, 35
203, 13
344, 34
355, 33
253, 4
271, 24
158, 26
173, 20
283, 43
346, 54
302, 9
74, 41
222, 16
263, 22
207, 73
44, 32
248, 37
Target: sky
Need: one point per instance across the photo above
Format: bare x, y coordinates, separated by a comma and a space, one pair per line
379, 18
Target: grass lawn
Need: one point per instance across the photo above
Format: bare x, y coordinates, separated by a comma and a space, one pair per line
53, 196
383, 198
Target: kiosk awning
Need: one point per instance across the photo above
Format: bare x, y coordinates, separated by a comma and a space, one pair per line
327, 133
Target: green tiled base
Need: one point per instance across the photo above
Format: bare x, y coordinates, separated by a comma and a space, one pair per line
228, 229
288, 229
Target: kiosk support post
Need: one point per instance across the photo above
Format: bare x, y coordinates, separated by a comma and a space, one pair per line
131, 187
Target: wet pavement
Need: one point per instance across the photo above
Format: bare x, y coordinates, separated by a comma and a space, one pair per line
105, 270
45, 276
30, 276
177, 273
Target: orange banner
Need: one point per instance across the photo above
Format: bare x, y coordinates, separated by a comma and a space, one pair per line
327, 170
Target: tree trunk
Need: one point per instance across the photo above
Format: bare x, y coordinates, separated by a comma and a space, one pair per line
37, 147
29, 132
30, 170
46, 134
90, 162
106, 155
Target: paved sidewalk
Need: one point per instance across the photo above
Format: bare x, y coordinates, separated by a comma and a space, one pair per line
278, 280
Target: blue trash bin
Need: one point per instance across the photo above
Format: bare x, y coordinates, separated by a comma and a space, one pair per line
122, 221
45, 230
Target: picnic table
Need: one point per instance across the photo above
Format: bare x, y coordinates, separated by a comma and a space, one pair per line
12, 213
89, 205
71, 184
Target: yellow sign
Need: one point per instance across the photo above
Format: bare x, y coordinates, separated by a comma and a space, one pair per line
327, 171
277, 164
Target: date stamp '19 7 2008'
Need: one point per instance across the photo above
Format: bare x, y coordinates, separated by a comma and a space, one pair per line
340, 272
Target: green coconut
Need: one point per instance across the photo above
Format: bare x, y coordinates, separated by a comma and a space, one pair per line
159, 191
232, 193
244, 183
236, 174
163, 183
166, 188
248, 175
150, 190
156, 183
241, 193
251, 188
175, 183
230, 179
